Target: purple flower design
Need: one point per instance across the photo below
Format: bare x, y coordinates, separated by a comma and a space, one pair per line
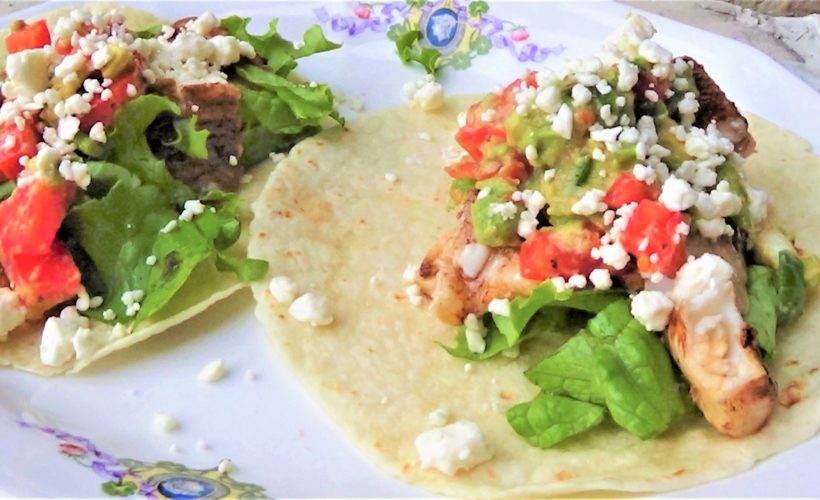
393, 17
86, 453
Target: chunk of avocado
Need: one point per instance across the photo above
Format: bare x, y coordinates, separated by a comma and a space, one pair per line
534, 131
492, 228
121, 58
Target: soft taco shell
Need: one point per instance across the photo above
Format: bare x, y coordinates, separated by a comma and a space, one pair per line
205, 287
329, 220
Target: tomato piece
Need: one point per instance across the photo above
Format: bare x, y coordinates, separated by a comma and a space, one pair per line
43, 281
31, 216
14, 144
465, 169
653, 237
473, 139
627, 189
28, 36
103, 111
563, 252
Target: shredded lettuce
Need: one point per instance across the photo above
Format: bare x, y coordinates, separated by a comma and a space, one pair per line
279, 53
761, 313
547, 420
546, 304
617, 364
276, 111
409, 50
128, 145
116, 225
190, 140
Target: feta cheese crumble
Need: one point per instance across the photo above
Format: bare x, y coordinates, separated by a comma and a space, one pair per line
500, 307
12, 313
311, 308
458, 446
590, 203
475, 331
425, 94
472, 259
213, 372
652, 309
283, 289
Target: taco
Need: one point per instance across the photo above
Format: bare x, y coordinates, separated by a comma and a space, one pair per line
131, 149
603, 314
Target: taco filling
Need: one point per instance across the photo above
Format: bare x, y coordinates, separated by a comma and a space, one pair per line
610, 198
121, 154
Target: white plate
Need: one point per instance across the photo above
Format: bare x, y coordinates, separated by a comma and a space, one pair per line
281, 444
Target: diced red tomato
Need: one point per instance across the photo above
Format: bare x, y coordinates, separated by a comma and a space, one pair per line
38, 266
30, 218
653, 230
28, 36
552, 252
103, 111
473, 139
43, 281
14, 144
465, 169
627, 189
584, 118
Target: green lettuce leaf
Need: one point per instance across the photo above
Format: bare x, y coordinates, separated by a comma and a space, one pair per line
309, 104
522, 309
128, 145
548, 420
149, 32
636, 379
549, 320
569, 371
409, 50
761, 313
791, 287
190, 140
279, 53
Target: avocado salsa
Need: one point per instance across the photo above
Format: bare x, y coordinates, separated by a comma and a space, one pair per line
606, 205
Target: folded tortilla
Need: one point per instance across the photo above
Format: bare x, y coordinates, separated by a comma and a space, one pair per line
205, 287
329, 220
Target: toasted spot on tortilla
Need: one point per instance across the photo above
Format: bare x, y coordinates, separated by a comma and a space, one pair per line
792, 393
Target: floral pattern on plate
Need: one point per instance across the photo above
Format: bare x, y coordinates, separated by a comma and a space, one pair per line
460, 30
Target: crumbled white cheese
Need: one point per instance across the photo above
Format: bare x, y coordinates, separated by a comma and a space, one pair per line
600, 279
458, 446
311, 308
76, 172
165, 423
391, 177
438, 417
758, 204
212, 372
562, 123
714, 228
652, 309
577, 281
225, 466
627, 75
474, 332
283, 289
56, 345
677, 194
548, 99
151, 260
28, 72
581, 95
614, 255
97, 133
191, 209
500, 307
414, 295
426, 94
703, 289
12, 313
627, 38
472, 259
507, 210
590, 203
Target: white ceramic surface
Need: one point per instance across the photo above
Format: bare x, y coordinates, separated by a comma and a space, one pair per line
275, 435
